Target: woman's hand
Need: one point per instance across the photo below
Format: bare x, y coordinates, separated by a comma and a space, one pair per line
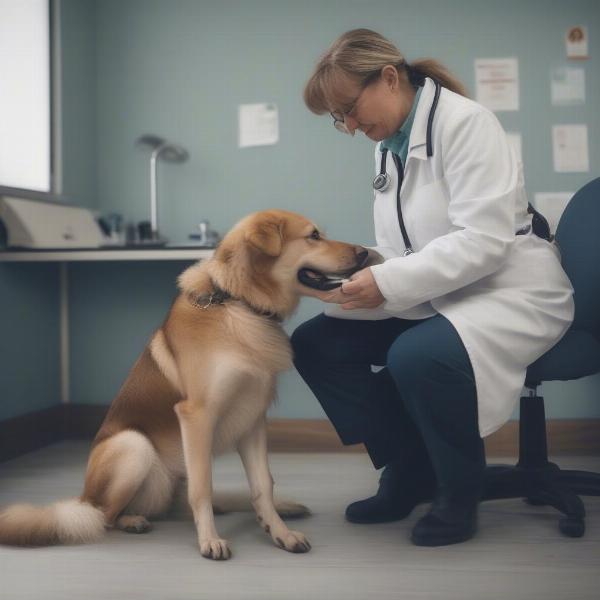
360, 292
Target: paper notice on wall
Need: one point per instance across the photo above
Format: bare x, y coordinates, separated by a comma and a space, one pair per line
552, 206
576, 41
258, 124
497, 83
570, 148
567, 86
514, 139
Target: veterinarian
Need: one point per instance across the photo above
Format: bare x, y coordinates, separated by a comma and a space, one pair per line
467, 297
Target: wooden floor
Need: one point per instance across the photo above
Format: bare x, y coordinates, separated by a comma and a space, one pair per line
517, 554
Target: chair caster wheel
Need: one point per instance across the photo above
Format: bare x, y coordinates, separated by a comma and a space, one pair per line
534, 501
572, 526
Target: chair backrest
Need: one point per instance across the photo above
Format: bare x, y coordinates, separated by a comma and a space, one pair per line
578, 237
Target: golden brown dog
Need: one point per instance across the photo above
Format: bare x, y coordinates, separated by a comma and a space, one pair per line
202, 385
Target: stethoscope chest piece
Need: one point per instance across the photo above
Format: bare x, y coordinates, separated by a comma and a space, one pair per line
381, 182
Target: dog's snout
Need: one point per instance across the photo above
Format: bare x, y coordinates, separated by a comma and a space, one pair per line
361, 255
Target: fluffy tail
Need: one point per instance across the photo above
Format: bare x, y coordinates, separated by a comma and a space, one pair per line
65, 522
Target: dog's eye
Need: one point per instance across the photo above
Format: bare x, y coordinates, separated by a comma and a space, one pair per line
315, 235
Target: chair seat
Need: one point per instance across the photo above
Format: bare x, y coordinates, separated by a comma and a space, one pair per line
576, 355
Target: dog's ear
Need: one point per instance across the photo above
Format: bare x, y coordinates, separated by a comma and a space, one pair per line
266, 236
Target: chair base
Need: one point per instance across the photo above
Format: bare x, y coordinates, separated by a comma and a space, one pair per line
539, 481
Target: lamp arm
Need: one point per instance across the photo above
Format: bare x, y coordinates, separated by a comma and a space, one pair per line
153, 191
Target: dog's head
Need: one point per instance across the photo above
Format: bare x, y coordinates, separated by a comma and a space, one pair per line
273, 257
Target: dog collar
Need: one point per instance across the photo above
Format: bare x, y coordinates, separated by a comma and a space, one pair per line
219, 297
204, 301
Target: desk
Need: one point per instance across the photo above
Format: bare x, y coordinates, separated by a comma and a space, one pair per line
105, 254
93, 255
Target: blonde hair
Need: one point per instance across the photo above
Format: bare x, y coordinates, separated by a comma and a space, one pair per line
359, 55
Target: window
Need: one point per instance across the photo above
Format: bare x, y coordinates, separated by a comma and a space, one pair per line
25, 95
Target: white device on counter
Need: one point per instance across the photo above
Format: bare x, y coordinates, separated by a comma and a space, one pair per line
36, 224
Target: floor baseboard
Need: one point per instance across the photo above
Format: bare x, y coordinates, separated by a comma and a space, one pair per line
26, 433
30, 432
574, 436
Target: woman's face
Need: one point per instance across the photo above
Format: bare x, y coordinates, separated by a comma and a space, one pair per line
380, 108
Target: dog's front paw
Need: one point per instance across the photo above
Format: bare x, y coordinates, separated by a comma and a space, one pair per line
292, 541
215, 548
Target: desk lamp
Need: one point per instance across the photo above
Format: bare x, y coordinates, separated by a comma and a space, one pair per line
168, 152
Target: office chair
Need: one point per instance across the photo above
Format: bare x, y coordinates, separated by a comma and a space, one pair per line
576, 355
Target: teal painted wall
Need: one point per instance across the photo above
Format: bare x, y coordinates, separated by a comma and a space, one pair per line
179, 68
29, 349
29, 293
79, 105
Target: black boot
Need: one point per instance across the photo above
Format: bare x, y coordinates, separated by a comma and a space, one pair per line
452, 519
400, 489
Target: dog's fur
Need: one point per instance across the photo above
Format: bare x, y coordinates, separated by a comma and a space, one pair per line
202, 385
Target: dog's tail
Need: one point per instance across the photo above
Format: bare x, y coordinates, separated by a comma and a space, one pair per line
65, 522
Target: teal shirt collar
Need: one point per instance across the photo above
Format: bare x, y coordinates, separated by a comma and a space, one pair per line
398, 143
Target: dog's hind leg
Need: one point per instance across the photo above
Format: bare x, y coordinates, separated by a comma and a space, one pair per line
154, 496
133, 524
124, 473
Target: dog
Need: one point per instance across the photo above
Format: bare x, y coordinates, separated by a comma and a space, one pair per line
202, 385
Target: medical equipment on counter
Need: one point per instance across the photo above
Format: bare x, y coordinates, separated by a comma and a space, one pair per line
205, 237
42, 224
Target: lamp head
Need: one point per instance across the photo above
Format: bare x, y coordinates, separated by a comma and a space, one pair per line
150, 141
162, 149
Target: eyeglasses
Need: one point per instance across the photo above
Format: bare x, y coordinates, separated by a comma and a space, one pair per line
339, 121
338, 117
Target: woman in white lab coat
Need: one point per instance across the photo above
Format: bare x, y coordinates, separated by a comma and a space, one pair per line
457, 319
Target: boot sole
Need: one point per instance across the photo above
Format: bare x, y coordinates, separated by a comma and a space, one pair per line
375, 520
448, 540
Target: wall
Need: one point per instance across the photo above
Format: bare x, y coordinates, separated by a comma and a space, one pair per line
29, 350
29, 293
79, 107
179, 68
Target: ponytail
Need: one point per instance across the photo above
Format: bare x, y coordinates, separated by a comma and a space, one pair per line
428, 67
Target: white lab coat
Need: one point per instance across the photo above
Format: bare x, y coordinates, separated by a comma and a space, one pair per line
507, 296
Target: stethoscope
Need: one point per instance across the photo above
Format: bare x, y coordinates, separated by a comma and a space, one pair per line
539, 225
382, 181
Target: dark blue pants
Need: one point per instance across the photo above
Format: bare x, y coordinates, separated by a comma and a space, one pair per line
420, 407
